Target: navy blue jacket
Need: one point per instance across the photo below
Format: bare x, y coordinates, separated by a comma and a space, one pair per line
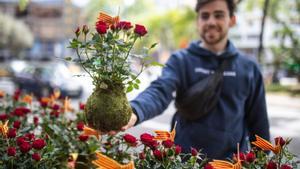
240, 113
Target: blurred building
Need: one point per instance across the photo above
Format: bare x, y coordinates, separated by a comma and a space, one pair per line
51, 21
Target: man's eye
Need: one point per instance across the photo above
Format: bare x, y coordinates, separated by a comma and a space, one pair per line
204, 17
219, 16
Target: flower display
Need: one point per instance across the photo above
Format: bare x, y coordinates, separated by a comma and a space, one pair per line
59, 142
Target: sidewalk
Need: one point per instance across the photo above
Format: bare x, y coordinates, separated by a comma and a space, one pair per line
283, 100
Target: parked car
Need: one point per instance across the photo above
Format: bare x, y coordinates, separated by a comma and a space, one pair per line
43, 79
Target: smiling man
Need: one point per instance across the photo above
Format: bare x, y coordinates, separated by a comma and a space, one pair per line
230, 108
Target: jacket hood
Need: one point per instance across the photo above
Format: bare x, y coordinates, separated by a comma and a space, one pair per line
197, 50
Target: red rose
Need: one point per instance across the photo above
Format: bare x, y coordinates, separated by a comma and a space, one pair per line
83, 138
25, 147
177, 149
81, 106
124, 25
250, 157
36, 156
21, 140
101, 27
271, 165
208, 166
29, 136
167, 143
3, 117
242, 156
142, 156
80, 126
194, 152
17, 124
157, 154
280, 141
55, 107
12, 132
11, 151
148, 140
286, 166
17, 94
35, 120
21, 111
130, 139
140, 30
54, 114
43, 103
38, 144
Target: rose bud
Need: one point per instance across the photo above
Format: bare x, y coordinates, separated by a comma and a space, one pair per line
83, 137
208, 166
85, 29
38, 144
80, 126
271, 165
17, 124
286, 166
36, 156
177, 149
142, 156
77, 31
158, 154
167, 143
3, 117
130, 139
194, 152
280, 141
11, 151
25, 147
81, 106
12, 132
250, 157
35, 120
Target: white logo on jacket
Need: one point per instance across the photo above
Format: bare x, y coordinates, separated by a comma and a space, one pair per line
208, 71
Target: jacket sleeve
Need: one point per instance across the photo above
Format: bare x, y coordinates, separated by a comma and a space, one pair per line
156, 98
256, 110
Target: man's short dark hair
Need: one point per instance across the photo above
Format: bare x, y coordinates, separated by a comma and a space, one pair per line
230, 4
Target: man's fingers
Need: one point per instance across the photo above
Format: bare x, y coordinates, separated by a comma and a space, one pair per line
112, 133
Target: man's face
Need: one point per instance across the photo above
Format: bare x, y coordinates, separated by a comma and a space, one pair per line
214, 22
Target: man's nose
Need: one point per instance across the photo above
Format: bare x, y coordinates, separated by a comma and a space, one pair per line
211, 20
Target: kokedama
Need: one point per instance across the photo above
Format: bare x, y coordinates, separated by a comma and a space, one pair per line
106, 56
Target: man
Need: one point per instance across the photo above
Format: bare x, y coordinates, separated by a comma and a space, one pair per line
240, 112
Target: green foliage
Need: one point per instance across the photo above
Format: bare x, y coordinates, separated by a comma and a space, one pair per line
107, 57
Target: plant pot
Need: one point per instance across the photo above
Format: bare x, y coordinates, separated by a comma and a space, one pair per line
107, 163
108, 109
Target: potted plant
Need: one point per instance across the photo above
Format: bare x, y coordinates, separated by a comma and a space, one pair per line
106, 56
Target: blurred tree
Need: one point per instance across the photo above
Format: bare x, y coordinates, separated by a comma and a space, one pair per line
174, 29
170, 28
15, 35
286, 17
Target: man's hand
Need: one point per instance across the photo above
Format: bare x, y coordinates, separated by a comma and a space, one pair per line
131, 123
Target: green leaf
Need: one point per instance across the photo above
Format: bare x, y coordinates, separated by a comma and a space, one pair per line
136, 86
154, 63
137, 81
68, 58
129, 89
153, 45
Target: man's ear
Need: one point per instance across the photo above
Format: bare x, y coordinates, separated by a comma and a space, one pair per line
232, 21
